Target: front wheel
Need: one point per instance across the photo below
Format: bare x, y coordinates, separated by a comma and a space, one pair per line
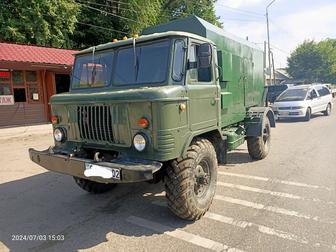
327, 112
258, 147
308, 115
190, 181
93, 187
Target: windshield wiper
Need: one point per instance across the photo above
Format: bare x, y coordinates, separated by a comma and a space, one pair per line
93, 73
136, 62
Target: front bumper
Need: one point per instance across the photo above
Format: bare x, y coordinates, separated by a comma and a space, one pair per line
290, 113
130, 170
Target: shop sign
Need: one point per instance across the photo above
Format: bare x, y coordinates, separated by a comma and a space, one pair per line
6, 100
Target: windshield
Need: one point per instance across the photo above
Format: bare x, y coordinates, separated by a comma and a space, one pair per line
142, 64
147, 64
298, 94
92, 70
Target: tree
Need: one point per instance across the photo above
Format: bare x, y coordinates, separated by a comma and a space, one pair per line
102, 20
84, 23
41, 22
174, 9
314, 62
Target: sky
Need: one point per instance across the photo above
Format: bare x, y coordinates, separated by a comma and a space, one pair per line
291, 22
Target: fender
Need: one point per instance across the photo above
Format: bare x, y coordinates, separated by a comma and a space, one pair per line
255, 119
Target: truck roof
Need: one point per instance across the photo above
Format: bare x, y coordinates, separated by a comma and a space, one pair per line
143, 38
198, 26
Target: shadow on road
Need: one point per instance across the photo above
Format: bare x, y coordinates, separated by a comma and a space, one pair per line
238, 157
49, 203
52, 204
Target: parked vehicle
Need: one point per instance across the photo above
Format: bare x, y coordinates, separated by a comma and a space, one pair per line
303, 101
167, 106
273, 91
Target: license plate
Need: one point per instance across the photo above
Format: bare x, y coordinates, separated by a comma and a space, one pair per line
284, 113
93, 170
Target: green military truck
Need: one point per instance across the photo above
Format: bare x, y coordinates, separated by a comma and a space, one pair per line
167, 105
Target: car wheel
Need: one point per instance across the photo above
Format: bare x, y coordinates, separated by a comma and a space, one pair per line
327, 112
308, 115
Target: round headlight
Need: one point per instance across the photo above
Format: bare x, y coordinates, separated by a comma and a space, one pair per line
139, 142
59, 135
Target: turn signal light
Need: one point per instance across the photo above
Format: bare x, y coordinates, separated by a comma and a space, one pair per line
54, 119
143, 122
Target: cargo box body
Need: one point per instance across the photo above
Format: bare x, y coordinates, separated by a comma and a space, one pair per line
241, 64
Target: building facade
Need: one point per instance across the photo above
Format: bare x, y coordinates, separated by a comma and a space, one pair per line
29, 76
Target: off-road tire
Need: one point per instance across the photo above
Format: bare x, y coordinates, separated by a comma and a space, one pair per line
93, 187
327, 112
181, 176
308, 115
259, 147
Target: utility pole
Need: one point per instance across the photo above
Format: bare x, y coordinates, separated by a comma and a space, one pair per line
269, 45
273, 69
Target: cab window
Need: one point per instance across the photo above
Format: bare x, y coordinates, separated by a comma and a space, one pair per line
197, 74
178, 60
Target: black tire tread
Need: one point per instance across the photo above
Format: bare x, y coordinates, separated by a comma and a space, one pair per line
326, 111
256, 147
179, 185
93, 187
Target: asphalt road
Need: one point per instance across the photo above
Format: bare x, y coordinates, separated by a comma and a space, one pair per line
286, 202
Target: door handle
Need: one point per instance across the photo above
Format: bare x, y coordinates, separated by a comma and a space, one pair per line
213, 102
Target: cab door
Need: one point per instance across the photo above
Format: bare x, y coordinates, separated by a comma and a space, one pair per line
202, 90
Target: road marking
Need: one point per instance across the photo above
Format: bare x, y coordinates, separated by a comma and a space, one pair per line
265, 230
260, 228
273, 193
180, 234
274, 180
273, 209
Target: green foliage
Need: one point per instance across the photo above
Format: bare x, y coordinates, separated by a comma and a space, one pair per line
83, 23
41, 22
174, 9
314, 62
128, 17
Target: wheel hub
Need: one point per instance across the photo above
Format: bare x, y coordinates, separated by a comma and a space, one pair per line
201, 179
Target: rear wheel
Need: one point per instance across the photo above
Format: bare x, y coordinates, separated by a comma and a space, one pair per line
327, 112
93, 187
191, 181
258, 147
308, 115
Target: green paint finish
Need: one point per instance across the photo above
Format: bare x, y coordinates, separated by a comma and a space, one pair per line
204, 100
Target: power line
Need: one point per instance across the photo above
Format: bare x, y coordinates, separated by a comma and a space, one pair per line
240, 20
242, 10
106, 12
105, 5
100, 27
279, 49
118, 2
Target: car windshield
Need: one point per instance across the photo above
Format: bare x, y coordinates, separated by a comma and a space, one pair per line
297, 94
142, 64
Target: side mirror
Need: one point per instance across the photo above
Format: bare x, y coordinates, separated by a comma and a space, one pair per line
204, 55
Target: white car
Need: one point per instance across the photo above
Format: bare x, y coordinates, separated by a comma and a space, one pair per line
303, 101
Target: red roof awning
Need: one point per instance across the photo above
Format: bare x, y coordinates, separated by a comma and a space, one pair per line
35, 54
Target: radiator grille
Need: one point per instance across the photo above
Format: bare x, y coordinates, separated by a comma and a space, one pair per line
95, 122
